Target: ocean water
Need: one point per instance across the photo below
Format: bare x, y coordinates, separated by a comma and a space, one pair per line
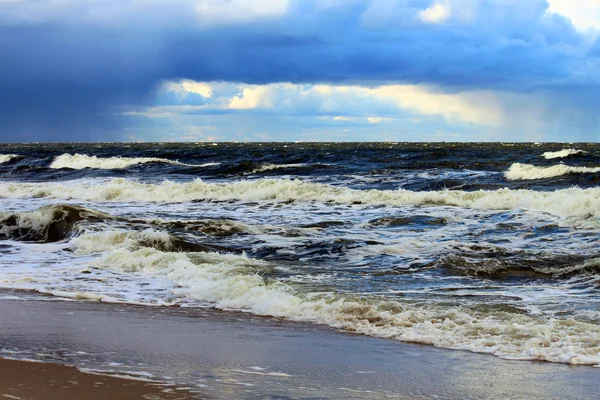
491, 248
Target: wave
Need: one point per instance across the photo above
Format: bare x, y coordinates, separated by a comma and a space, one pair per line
4, 158
407, 220
210, 227
55, 223
95, 242
271, 167
47, 224
495, 261
81, 161
562, 153
519, 171
250, 168
146, 262
572, 202
236, 282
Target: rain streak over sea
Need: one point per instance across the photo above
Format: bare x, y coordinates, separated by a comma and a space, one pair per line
491, 248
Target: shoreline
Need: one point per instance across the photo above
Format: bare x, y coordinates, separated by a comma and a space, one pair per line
27, 380
234, 355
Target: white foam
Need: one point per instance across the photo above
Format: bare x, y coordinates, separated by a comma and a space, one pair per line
130, 375
270, 167
39, 220
562, 153
7, 157
519, 171
97, 242
237, 282
231, 282
80, 161
275, 374
564, 203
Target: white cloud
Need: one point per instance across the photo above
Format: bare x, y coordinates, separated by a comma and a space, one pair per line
354, 110
378, 120
389, 108
346, 102
343, 118
436, 13
253, 97
584, 14
225, 12
186, 86
480, 107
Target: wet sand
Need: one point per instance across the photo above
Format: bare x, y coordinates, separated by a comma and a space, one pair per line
239, 356
42, 381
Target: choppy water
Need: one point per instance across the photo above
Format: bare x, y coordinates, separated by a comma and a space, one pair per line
485, 247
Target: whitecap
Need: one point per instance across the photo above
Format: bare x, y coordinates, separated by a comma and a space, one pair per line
237, 282
80, 161
571, 202
562, 153
4, 158
519, 171
270, 167
231, 282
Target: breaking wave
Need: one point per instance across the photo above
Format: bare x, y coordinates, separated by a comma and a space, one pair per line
58, 222
496, 261
519, 171
174, 271
210, 227
271, 167
236, 282
572, 202
81, 161
51, 223
4, 158
562, 153
94, 242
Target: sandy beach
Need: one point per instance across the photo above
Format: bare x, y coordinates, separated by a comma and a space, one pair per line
22, 380
234, 355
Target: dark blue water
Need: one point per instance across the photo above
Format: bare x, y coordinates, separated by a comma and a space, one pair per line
412, 166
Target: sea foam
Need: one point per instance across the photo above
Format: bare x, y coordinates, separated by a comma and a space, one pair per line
572, 202
49, 223
236, 282
7, 157
270, 167
562, 153
98, 242
519, 171
80, 161
129, 267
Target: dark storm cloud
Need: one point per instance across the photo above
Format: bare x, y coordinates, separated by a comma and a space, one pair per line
62, 85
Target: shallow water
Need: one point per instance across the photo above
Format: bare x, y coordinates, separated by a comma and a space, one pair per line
230, 355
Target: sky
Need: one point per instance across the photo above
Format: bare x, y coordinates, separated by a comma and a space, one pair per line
299, 70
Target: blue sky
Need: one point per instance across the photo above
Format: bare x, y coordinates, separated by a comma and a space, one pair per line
289, 70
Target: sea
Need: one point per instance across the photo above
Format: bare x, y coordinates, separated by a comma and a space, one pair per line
485, 247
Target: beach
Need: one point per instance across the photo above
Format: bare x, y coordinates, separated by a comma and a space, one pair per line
233, 356
306, 270
43, 381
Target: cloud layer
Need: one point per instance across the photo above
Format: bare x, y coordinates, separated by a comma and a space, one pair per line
89, 70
